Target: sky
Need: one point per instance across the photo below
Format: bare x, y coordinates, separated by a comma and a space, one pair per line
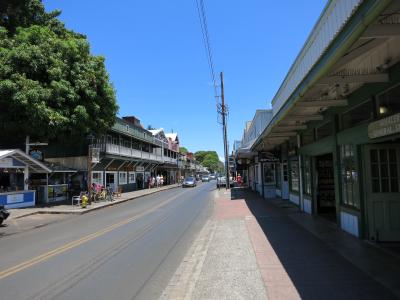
157, 62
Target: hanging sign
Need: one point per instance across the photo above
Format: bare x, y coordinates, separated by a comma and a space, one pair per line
36, 154
384, 127
95, 155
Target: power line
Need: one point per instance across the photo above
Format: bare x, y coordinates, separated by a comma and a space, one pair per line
222, 109
207, 45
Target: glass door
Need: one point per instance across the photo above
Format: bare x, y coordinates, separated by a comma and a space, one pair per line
382, 171
285, 180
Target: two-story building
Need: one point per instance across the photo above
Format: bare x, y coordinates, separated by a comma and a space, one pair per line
125, 157
170, 169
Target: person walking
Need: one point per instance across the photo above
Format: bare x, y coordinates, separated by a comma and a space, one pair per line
162, 180
158, 178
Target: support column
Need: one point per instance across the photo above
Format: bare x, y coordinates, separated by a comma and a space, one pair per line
301, 200
262, 180
26, 178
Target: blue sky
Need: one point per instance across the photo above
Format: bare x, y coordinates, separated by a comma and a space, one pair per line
156, 59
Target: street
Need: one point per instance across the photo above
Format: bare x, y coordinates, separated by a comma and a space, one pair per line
126, 251
190, 243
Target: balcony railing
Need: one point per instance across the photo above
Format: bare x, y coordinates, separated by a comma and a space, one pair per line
129, 152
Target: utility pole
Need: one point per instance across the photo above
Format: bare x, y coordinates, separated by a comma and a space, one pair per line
224, 114
89, 174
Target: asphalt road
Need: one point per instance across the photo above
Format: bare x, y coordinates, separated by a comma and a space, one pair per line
127, 251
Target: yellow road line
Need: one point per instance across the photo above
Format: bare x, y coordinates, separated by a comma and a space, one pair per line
35, 260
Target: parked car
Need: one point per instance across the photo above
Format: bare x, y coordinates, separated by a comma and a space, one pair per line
212, 177
189, 182
205, 178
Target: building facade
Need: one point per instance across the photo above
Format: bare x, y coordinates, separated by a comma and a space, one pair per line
334, 137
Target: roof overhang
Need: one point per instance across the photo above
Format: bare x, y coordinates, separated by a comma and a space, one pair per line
349, 62
34, 165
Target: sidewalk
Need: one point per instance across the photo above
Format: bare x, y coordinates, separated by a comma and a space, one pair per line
17, 213
261, 249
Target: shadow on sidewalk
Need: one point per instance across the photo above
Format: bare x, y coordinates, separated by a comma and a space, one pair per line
316, 270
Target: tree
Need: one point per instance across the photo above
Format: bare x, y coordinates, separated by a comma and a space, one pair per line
208, 159
25, 13
183, 150
50, 84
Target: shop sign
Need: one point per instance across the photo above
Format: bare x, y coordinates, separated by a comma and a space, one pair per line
267, 157
140, 169
384, 127
95, 155
36, 154
6, 162
15, 198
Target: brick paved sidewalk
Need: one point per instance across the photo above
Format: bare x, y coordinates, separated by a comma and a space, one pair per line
75, 209
256, 249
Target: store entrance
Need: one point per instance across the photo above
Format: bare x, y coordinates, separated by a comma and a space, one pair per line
383, 191
325, 187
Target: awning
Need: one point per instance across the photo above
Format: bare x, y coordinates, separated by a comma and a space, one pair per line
34, 165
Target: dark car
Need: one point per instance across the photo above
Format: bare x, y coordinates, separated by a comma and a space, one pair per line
189, 182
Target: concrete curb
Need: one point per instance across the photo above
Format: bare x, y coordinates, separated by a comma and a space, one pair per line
82, 212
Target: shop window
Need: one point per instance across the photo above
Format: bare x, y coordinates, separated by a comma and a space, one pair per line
349, 176
384, 173
357, 115
269, 173
278, 176
389, 102
97, 177
324, 130
122, 178
307, 175
294, 172
132, 177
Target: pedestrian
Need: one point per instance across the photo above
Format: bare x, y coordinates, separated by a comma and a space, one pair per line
239, 180
162, 180
158, 178
149, 182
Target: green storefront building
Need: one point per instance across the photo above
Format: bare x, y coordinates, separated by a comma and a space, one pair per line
336, 121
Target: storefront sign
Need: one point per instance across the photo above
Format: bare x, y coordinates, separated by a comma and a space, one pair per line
384, 127
6, 162
15, 198
36, 154
267, 157
139, 169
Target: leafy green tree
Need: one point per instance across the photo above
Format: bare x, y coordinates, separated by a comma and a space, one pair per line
50, 84
199, 155
25, 13
208, 159
183, 150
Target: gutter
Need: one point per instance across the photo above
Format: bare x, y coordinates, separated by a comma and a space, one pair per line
365, 15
